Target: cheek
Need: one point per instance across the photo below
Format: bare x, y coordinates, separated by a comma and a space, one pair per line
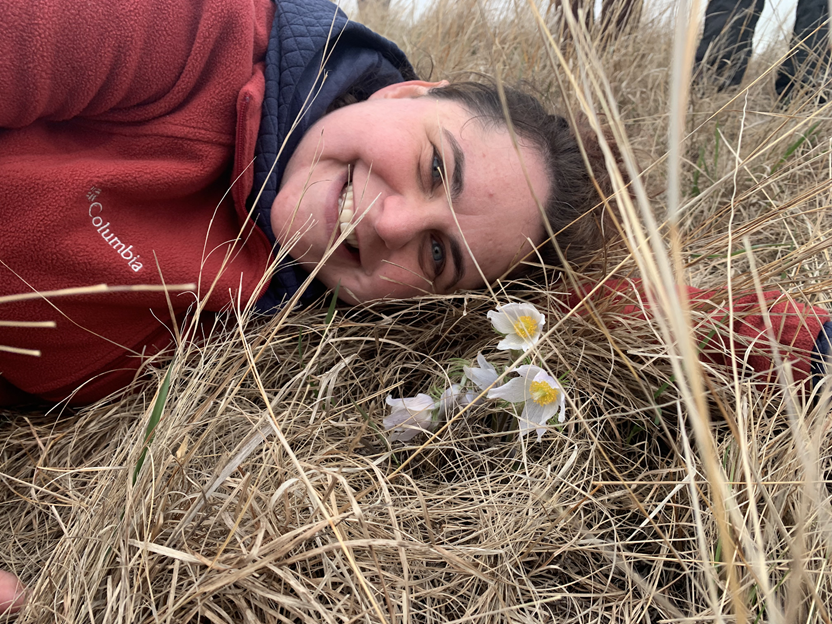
300, 160
495, 250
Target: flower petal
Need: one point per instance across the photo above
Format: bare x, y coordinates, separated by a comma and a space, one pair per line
483, 376
514, 391
538, 415
500, 321
409, 417
545, 377
414, 404
405, 433
529, 371
524, 424
511, 342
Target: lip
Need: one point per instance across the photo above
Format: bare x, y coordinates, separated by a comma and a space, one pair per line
331, 211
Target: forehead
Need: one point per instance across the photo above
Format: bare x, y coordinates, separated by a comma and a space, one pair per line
506, 184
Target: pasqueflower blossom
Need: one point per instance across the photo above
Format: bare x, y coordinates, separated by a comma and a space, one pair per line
413, 415
409, 417
521, 323
482, 376
542, 394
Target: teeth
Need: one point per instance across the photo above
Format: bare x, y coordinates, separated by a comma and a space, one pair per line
346, 212
345, 202
351, 239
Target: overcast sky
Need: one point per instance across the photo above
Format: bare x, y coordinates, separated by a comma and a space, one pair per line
777, 17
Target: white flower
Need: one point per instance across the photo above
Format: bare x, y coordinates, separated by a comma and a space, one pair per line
453, 399
409, 417
483, 376
521, 323
541, 393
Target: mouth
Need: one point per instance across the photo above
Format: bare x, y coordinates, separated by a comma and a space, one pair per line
346, 211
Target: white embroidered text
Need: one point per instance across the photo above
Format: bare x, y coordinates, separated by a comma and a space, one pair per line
121, 248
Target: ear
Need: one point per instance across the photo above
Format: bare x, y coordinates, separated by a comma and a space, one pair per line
409, 89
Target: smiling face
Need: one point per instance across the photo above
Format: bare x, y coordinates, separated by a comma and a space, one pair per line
389, 155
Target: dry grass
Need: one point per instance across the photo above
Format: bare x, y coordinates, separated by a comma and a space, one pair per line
673, 493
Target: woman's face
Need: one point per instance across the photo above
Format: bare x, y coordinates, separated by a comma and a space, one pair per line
412, 234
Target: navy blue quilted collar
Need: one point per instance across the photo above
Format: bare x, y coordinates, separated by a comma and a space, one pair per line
360, 61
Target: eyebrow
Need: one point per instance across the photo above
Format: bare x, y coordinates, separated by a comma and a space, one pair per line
457, 186
458, 176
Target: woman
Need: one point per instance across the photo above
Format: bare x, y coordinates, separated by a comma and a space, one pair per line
128, 124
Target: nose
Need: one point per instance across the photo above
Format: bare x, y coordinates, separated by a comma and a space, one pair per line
402, 219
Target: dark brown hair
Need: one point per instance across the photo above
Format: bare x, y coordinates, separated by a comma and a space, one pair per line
575, 209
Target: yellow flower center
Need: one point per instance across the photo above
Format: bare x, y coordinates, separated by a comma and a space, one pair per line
543, 393
525, 326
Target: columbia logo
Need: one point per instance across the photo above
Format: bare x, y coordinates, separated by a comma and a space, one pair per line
120, 247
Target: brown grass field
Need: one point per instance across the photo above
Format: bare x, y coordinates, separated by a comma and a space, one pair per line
675, 491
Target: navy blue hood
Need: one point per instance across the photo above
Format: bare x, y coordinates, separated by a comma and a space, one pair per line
359, 62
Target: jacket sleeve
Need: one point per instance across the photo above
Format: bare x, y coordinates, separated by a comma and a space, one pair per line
798, 329
60, 59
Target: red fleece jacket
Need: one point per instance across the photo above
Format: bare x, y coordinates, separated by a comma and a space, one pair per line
122, 126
